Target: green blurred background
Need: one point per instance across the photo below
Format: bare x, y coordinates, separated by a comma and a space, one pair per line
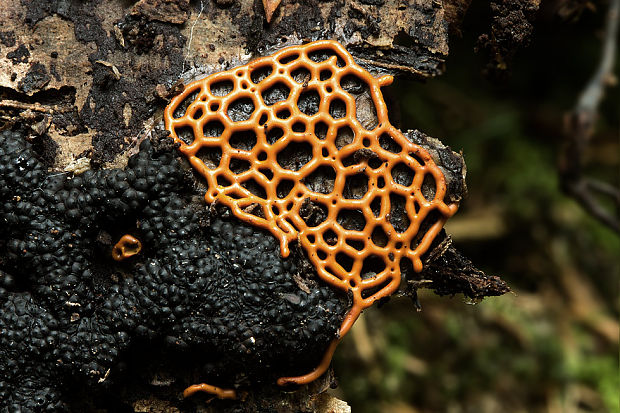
552, 345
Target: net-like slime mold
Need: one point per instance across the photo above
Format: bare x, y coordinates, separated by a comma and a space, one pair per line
287, 144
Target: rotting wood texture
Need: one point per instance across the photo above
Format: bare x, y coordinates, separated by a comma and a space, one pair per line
89, 80
92, 75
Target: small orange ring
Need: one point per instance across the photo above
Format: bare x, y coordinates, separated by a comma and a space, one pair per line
126, 247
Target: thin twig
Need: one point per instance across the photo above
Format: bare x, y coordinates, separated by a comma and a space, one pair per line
580, 129
191, 36
604, 188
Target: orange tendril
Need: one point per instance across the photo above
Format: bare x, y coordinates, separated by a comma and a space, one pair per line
126, 247
207, 388
264, 167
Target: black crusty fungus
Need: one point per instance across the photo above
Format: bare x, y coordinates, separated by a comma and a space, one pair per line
207, 296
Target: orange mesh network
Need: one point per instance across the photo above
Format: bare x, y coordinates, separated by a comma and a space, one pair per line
279, 142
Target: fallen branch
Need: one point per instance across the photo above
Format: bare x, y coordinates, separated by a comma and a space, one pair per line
579, 129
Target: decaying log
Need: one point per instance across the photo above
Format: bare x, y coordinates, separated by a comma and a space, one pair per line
86, 82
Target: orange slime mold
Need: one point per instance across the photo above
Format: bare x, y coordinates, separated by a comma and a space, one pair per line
264, 166
126, 247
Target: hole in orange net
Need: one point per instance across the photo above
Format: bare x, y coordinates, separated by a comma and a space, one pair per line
255, 210
221, 88
321, 180
210, 156
330, 237
398, 213
299, 127
430, 220
185, 133
375, 206
288, 58
223, 181
197, 114
214, 106
351, 219
372, 291
379, 237
428, 187
181, 110
357, 244
295, 155
406, 267
322, 55
243, 139
308, 102
389, 144
402, 174
417, 158
276, 93
416, 207
267, 172
380, 182
240, 109
344, 136
255, 188
352, 159
284, 188
337, 109
292, 224
355, 186
313, 213
344, 261
213, 128
353, 84
301, 75
274, 134
373, 265
283, 114
238, 166
261, 73
325, 74
374, 162
320, 129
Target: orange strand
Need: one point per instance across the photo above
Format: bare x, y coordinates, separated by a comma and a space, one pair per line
207, 388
